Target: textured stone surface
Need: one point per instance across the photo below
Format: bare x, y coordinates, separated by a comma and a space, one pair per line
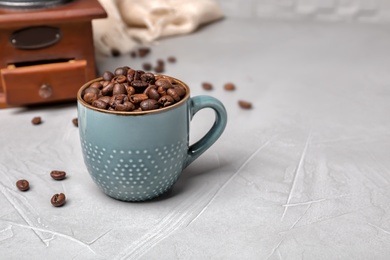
303, 175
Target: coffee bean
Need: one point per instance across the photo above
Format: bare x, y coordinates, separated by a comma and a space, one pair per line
149, 104
130, 90
96, 85
160, 62
115, 52
166, 101
143, 51
36, 120
119, 79
152, 92
58, 200
139, 84
108, 75
107, 90
120, 71
180, 90
229, 86
100, 104
148, 77
133, 54
138, 98
90, 97
126, 106
159, 69
105, 99
119, 89
207, 86
165, 83
58, 175
22, 185
75, 122
171, 59
171, 92
245, 104
147, 66
118, 99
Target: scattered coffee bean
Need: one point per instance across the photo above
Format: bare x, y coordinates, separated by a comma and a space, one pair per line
58, 175
147, 66
36, 120
171, 59
159, 69
115, 52
133, 54
58, 200
22, 185
207, 86
229, 86
143, 51
75, 122
245, 104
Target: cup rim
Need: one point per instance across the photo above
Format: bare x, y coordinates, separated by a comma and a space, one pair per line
81, 101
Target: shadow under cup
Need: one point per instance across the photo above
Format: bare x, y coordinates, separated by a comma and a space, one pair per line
137, 156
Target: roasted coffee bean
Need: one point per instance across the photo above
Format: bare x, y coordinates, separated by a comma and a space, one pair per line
100, 104
166, 101
58, 200
180, 90
90, 97
96, 85
245, 104
22, 185
105, 99
108, 75
148, 77
147, 66
165, 83
130, 75
152, 92
133, 54
149, 104
171, 59
119, 89
171, 92
119, 78
160, 62
143, 51
118, 99
107, 90
161, 91
115, 52
75, 122
138, 98
159, 69
36, 120
58, 175
120, 71
139, 84
126, 106
92, 90
229, 86
207, 86
105, 83
130, 90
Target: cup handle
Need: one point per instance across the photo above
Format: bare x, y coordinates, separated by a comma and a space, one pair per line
197, 103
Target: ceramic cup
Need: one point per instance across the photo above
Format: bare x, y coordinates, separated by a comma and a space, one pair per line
136, 156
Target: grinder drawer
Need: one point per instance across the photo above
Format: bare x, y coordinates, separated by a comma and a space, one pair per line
43, 83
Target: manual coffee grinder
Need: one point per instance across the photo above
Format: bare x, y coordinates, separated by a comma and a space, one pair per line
46, 49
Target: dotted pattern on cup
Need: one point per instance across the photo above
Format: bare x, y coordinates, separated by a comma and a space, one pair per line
137, 174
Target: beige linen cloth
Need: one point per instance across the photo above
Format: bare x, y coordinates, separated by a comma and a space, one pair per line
134, 22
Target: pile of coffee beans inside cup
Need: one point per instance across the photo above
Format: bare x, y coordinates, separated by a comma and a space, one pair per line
127, 89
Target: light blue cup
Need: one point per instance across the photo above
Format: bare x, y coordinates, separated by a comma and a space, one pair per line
137, 156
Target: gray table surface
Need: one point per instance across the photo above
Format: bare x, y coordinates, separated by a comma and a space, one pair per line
303, 175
